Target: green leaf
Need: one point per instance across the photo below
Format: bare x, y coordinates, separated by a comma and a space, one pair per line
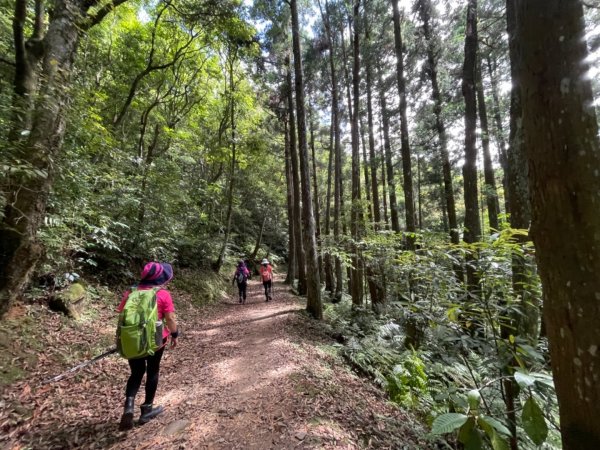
495, 424
474, 397
498, 443
524, 380
534, 423
446, 423
466, 431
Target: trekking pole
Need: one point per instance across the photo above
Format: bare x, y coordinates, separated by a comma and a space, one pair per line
80, 366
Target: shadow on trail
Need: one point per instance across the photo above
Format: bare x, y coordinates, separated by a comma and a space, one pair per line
240, 322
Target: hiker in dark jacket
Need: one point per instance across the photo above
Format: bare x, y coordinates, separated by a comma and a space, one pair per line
154, 275
240, 277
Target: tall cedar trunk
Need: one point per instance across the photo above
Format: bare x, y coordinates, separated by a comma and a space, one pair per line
313, 288
316, 198
228, 218
491, 194
520, 216
27, 196
365, 166
563, 155
299, 231
337, 150
404, 141
389, 164
527, 323
356, 223
291, 269
425, 13
375, 288
328, 269
372, 158
386, 220
472, 231
499, 128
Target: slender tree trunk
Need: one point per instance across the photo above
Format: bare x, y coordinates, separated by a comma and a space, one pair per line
499, 132
389, 165
291, 269
491, 194
472, 222
404, 140
258, 240
316, 198
563, 155
372, 157
425, 13
313, 291
365, 166
386, 219
219, 263
329, 287
299, 230
335, 111
356, 225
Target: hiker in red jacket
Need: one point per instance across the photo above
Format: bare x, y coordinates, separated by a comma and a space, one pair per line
154, 275
266, 275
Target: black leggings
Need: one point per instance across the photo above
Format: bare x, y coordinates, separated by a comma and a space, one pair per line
150, 365
268, 288
242, 287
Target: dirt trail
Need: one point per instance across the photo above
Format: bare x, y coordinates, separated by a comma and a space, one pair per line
251, 376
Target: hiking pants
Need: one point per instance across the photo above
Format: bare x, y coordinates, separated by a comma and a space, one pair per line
150, 365
268, 285
242, 287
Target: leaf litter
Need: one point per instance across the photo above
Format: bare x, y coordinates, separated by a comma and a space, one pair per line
250, 376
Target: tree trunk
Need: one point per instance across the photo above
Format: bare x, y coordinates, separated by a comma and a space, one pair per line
26, 196
424, 7
386, 220
219, 263
491, 194
389, 165
472, 231
356, 222
316, 198
335, 111
563, 155
499, 132
299, 231
372, 157
313, 291
405, 145
258, 240
327, 256
291, 269
365, 166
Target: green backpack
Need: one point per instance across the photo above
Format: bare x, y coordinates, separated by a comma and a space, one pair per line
139, 332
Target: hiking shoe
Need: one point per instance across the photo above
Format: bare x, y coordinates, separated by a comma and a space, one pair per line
240, 300
149, 413
127, 417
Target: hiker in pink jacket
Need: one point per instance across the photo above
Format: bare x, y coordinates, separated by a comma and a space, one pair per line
153, 275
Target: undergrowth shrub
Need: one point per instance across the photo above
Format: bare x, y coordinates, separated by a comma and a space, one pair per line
449, 352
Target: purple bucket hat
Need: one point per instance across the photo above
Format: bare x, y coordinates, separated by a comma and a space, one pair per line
156, 274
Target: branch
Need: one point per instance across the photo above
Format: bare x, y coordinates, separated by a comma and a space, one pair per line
38, 25
19, 35
7, 62
97, 16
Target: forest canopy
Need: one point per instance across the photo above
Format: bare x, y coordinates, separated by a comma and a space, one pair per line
424, 172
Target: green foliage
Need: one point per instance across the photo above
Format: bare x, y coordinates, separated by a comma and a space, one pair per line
455, 373
407, 384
